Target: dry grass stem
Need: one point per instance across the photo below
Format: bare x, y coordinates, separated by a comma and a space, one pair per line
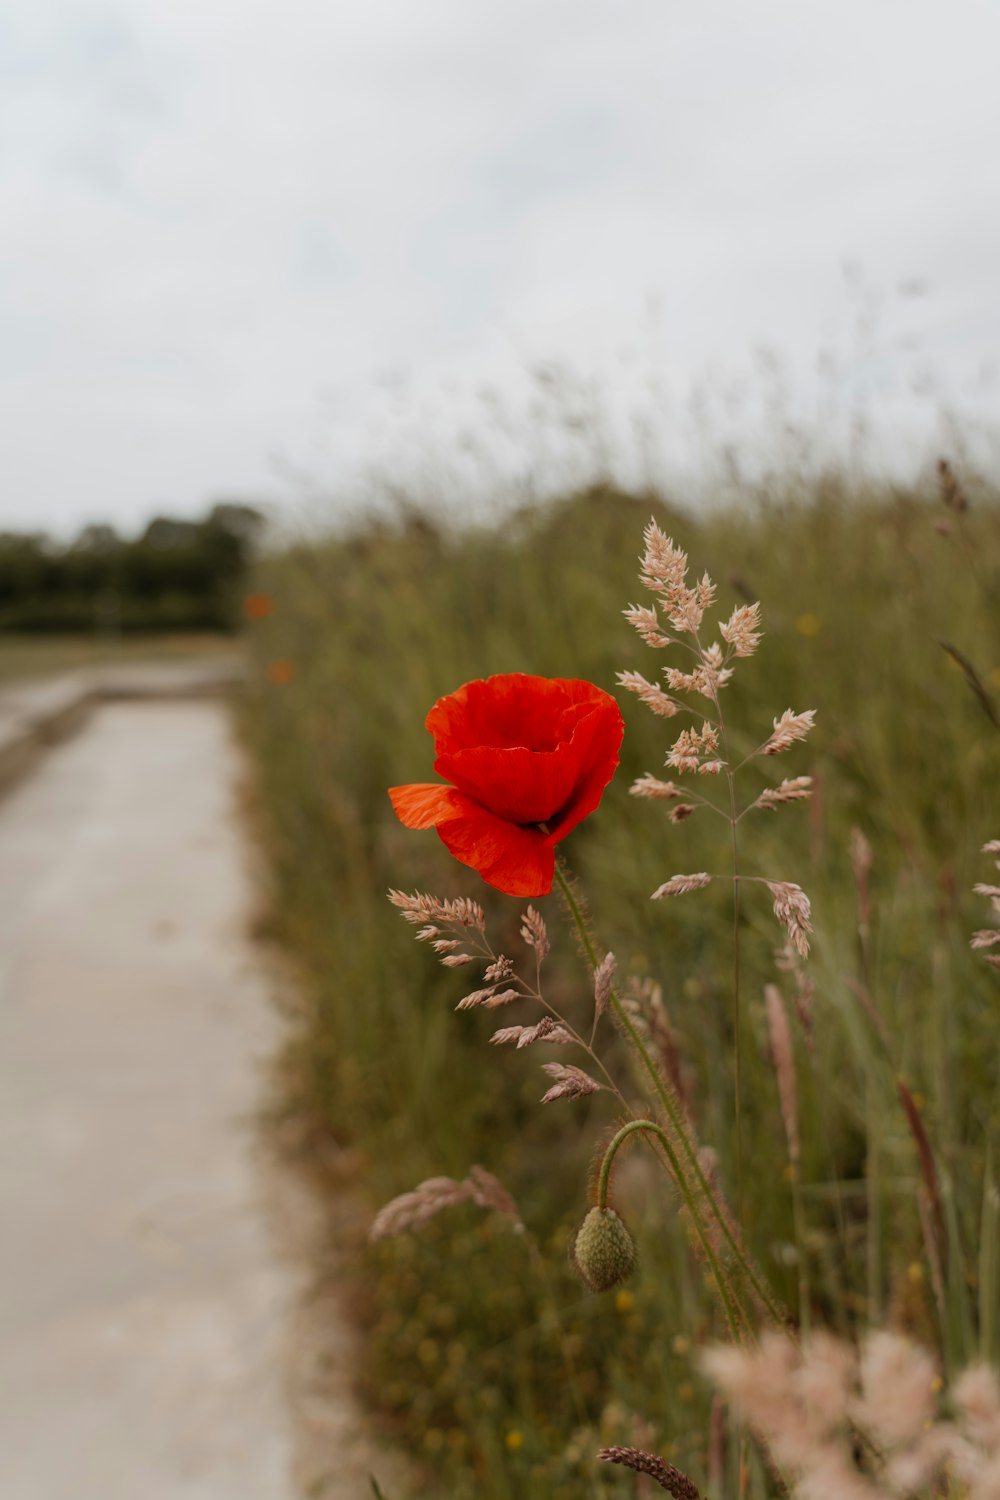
792, 909
862, 859
545, 1030
925, 1154
411, 1210
952, 494
414, 1209
422, 908
988, 937
647, 623
696, 750
534, 933
604, 976
502, 997
664, 571
783, 1057
654, 788
669, 1478
787, 961
570, 1083
489, 1192
680, 885
645, 1006
795, 789
707, 678
788, 729
979, 690
742, 630
492, 998
478, 997
649, 693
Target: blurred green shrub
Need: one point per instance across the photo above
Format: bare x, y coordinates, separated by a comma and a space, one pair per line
178, 575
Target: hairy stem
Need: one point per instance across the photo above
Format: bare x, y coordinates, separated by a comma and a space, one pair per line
678, 1123
737, 1014
737, 1010
731, 1307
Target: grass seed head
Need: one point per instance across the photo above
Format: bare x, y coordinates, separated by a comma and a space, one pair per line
742, 630
669, 1478
789, 728
792, 909
655, 789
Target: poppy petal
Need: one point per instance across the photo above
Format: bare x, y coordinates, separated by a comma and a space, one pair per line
599, 766
509, 709
517, 861
523, 786
423, 804
559, 787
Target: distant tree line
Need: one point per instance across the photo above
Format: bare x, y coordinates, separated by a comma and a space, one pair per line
178, 575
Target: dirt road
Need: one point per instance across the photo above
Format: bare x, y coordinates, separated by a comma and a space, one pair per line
143, 1309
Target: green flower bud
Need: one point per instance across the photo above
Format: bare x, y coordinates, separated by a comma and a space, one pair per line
604, 1251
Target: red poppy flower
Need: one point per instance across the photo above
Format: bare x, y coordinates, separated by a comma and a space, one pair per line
527, 758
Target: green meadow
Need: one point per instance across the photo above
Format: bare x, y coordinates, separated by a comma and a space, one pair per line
486, 1358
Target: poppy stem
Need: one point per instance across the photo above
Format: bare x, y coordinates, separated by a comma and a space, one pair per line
737, 1011
689, 1174
604, 1179
734, 1312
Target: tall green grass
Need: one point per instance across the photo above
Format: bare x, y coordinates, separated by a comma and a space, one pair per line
485, 1355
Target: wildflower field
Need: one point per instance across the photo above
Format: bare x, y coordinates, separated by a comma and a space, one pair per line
809, 1074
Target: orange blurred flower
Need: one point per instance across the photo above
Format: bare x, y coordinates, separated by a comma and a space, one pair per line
280, 673
257, 606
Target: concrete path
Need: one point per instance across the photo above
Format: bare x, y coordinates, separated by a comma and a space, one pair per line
37, 713
142, 1306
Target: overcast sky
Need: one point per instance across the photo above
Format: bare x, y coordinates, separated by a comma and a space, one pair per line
252, 246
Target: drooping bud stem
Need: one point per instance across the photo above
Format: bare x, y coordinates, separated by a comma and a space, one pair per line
604, 1179
685, 1167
